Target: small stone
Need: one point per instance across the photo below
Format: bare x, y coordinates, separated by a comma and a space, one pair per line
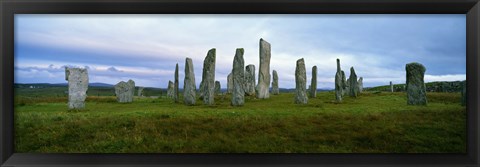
275, 89
170, 90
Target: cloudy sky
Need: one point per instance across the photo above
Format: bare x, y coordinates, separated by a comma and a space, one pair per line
146, 48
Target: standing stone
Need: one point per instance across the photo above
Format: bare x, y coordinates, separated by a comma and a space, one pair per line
464, 93
262, 89
250, 80
238, 95
416, 92
313, 85
77, 87
275, 89
339, 83
175, 86
217, 88
189, 87
391, 86
360, 85
353, 83
230, 83
207, 91
140, 91
125, 91
301, 83
170, 90
344, 83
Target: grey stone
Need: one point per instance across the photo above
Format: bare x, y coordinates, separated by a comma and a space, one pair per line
250, 80
360, 85
263, 86
170, 90
217, 88
416, 92
391, 86
230, 83
175, 86
344, 83
464, 93
313, 85
207, 89
339, 85
275, 89
77, 87
301, 83
140, 91
125, 91
238, 72
189, 87
353, 86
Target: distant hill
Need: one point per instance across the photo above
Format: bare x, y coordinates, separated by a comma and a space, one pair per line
45, 85
438, 86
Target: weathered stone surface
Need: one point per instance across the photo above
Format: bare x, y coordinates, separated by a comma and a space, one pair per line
263, 86
238, 72
250, 80
353, 86
391, 86
207, 86
464, 93
77, 87
175, 86
125, 91
275, 88
170, 90
230, 83
360, 85
189, 87
313, 85
339, 83
301, 83
416, 92
344, 83
218, 88
140, 91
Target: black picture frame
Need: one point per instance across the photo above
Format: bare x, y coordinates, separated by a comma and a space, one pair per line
9, 8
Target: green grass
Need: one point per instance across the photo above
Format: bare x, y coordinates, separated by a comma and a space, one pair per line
372, 123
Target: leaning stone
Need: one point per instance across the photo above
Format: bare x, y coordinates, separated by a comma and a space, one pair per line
353, 83
275, 89
250, 80
189, 87
175, 86
263, 86
217, 88
125, 91
301, 83
208, 78
313, 85
238, 95
77, 87
416, 92
170, 90
140, 91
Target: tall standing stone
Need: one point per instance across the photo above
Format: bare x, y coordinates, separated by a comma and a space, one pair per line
230, 83
464, 93
250, 80
170, 90
416, 92
125, 91
301, 83
360, 85
140, 91
189, 87
391, 86
313, 85
353, 86
238, 95
77, 87
175, 86
262, 89
207, 91
275, 89
344, 83
339, 83
217, 88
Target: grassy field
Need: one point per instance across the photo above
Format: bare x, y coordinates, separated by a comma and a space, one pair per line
377, 122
